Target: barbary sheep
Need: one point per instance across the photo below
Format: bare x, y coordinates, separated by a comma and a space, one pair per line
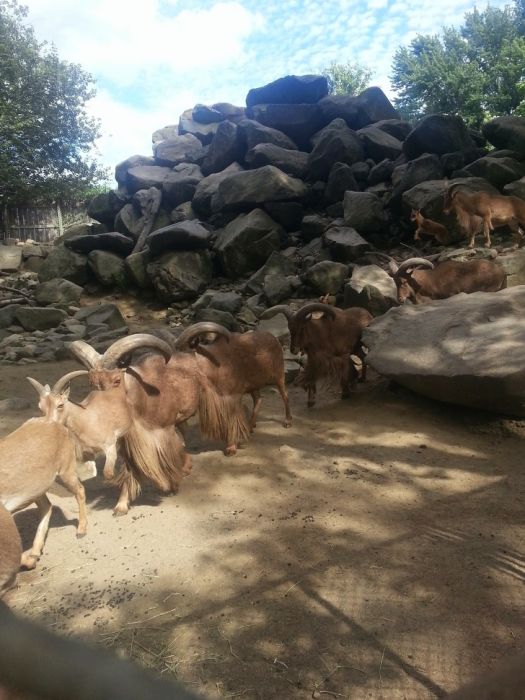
328, 342
431, 228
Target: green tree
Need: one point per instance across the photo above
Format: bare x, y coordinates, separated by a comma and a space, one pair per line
347, 78
46, 134
476, 71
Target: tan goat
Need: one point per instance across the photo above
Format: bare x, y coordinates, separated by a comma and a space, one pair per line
98, 422
494, 211
31, 457
446, 279
431, 228
237, 364
329, 343
10, 550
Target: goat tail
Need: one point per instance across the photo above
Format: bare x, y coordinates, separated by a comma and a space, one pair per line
333, 369
222, 417
152, 454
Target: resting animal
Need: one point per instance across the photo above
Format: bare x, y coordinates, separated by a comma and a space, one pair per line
241, 363
494, 210
446, 279
328, 342
432, 228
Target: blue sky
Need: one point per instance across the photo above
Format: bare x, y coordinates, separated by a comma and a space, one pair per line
154, 58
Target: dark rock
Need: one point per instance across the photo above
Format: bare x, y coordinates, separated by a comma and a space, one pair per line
340, 179
186, 235
437, 133
250, 133
81, 229
64, 263
371, 288
514, 265
230, 302
288, 214
516, 188
298, 121
336, 145
182, 212
10, 257
136, 269
289, 161
128, 221
345, 243
34, 318
113, 242
223, 318
395, 127
277, 288
105, 206
108, 268
335, 124
247, 241
180, 185
292, 89
224, 149
106, 314
207, 115
368, 107
313, 226
360, 171
381, 172
404, 177
277, 264
122, 169
7, 315
143, 177
364, 211
188, 125
326, 277
379, 144
253, 187
451, 162
181, 149
178, 276
506, 132
57, 291
428, 196
497, 171
208, 186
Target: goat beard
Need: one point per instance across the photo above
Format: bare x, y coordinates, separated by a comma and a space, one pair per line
156, 455
222, 417
333, 370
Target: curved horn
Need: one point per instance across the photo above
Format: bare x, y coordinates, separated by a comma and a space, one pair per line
310, 308
414, 262
280, 309
187, 336
124, 346
392, 263
64, 381
40, 389
87, 355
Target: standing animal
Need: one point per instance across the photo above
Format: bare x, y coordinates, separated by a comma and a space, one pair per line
494, 210
432, 228
446, 279
328, 341
238, 364
31, 457
98, 422
10, 550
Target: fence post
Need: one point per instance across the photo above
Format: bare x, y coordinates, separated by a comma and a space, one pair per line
6, 222
59, 217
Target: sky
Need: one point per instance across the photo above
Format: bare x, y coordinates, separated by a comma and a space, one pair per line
152, 59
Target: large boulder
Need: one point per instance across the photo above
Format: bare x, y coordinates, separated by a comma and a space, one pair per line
516, 188
344, 243
379, 144
178, 276
438, 133
426, 167
246, 242
180, 185
186, 235
298, 121
277, 265
498, 171
142, 177
59, 292
397, 128
468, 350
189, 125
337, 144
250, 133
101, 314
514, 265
254, 187
289, 161
326, 277
105, 206
340, 179
10, 257
108, 268
372, 105
122, 169
208, 186
371, 288
429, 196
224, 149
136, 269
34, 318
181, 149
167, 132
364, 211
506, 132
292, 89
64, 263
113, 242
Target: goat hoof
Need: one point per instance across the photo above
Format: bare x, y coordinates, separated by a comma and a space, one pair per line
80, 535
119, 511
230, 451
28, 560
287, 424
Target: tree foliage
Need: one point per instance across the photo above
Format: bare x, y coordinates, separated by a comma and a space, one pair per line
347, 78
477, 71
46, 134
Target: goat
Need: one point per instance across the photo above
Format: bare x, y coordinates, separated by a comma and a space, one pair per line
31, 457
241, 363
494, 210
10, 550
97, 422
432, 228
328, 342
446, 279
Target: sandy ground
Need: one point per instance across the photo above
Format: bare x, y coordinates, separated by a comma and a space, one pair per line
376, 549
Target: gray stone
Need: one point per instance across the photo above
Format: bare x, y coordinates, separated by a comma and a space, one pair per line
189, 125
360, 110
379, 144
64, 263
429, 196
313, 226
468, 349
178, 276
108, 268
179, 186
298, 121
122, 169
91, 228
58, 291
277, 326
438, 133
223, 318
397, 128
292, 89
288, 214
497, 171
112, 242
250, 133
34, 318
364, 211
245, 243
222, 301
340, 179
208, 186
291, 370
7, 315
104, 207
326, 277
516, 188
142, 177
277, 288
336, 145
253, 187
204, 114
224, 149
404, 177
289, 161
276, 264
104, 314
183, 212
167, 132
136, 269
129, 221
186, 235
345, 243
380, 173
10, 257
514, 265
371, 288
506, 132
180, 149
13, 404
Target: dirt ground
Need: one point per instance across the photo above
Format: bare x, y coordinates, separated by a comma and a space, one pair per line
376, 549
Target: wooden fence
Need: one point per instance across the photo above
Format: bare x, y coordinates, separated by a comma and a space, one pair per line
40, 224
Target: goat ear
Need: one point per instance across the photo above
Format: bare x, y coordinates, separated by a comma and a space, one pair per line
47, 389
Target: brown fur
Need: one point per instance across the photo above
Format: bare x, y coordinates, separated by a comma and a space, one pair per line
223, 417
10, 550
493, 210
431, 228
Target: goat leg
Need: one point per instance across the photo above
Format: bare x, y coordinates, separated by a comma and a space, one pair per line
311, 389
256, 398
122, 507
73, 485
281, 387
31, 556
109, 465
